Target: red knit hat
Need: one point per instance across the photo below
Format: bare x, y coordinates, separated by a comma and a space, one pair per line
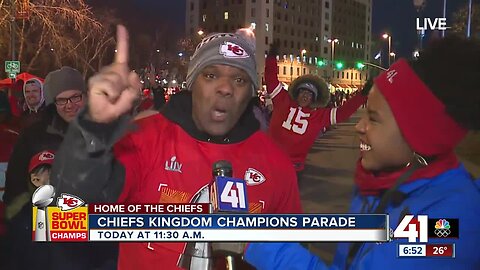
44, 157
420, 115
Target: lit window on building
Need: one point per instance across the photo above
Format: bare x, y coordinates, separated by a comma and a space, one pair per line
225, 15
204, 17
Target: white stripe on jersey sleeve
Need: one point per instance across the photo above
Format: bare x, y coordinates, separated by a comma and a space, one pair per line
333, 116
277, 90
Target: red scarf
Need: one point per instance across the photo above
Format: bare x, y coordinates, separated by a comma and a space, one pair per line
373, 184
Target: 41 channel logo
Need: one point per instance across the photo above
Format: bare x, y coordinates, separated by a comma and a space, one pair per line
421, 228
65, 222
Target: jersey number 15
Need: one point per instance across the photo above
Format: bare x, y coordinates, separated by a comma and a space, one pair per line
301, 121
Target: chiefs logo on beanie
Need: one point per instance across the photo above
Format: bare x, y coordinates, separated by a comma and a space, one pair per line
224, 49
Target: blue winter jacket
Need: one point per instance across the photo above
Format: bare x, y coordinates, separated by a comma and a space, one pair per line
452, 194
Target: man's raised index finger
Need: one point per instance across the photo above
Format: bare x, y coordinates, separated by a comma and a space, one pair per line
121, 56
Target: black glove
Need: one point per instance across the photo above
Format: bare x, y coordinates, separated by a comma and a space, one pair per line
273, 51
366, 88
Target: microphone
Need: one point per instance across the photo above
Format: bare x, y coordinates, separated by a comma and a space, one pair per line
222, 168
225, 194
228, 195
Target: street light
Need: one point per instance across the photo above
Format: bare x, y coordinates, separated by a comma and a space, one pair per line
389, 37
393, 55
200, 32
374, 65
416, 54
333, 41
303, 53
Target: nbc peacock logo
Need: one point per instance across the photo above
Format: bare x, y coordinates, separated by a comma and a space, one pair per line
442, 228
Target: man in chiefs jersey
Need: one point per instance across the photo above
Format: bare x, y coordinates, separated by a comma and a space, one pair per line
168, 157
299, 114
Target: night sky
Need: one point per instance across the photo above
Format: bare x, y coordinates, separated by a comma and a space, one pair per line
397, 17
144, 15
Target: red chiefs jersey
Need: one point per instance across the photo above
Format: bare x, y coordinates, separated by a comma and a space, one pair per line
8, 137
295, 128
164, 164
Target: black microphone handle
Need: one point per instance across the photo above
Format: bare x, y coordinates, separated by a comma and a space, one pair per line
224, 168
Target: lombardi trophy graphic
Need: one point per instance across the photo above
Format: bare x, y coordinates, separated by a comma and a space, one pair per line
198, 255
41, 198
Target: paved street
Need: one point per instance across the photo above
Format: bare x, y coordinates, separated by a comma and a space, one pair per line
327, 182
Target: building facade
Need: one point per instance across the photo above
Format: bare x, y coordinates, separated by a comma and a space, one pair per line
310, 33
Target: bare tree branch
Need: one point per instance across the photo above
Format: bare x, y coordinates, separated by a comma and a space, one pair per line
58, 32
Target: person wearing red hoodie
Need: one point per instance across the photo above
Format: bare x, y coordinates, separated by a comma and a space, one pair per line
299, 113
8, 137
9, 132
168, 158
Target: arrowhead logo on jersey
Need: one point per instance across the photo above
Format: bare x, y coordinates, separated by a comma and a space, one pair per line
232, 50
68, 202
254, 177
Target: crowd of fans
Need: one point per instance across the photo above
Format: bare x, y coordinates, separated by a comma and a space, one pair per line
407, 150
